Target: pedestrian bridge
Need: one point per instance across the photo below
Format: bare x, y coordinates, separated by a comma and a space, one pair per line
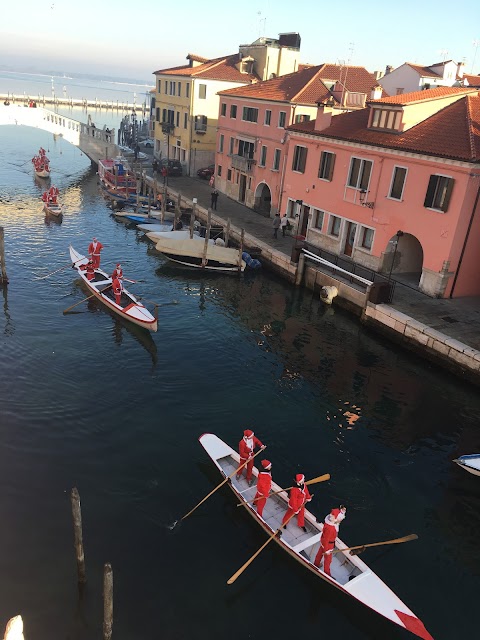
95, 143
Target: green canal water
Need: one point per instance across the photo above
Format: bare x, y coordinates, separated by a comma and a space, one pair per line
88, 401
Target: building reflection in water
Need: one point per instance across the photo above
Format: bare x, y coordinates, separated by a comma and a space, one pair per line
9, 327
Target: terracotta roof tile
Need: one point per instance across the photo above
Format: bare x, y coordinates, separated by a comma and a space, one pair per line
216, 69
459, 124
473, 81
420, 96
308, 84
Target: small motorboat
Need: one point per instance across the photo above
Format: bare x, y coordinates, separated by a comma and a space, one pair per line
154, 228
101, 287
195, 252
470, 463
350, 575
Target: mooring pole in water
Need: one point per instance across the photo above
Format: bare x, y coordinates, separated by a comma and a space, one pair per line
192, 216
77, 528
240, 250
3, 277
107, 601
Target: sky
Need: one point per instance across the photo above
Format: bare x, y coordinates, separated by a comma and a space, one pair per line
134, 39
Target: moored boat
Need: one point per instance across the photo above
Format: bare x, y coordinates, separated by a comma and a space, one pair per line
53, 209
194, 252
101, 287
470, 462
349, 574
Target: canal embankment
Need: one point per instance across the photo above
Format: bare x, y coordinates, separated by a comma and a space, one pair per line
442, 330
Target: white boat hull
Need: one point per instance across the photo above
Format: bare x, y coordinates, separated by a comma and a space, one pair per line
349, 574
470, 463
134, 311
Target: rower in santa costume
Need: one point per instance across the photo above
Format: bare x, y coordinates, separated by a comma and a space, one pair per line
264, 484
245, 447
117, 290
329, 535
89, 269
94, 249
299, 496
118, 272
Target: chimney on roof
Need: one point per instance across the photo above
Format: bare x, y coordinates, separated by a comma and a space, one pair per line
324, 116
460, 69
388, 69
376, 92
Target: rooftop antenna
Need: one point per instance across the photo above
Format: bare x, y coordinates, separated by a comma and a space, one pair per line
444, 54
476, 44
350, 51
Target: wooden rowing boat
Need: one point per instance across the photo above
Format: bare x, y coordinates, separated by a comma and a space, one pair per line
131, 309
349, 574
53, 209
470, 463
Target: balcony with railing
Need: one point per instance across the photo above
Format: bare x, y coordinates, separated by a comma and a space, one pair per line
243, 164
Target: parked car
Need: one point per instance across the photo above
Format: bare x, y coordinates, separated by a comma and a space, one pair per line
207, 172
174, 167
149, 142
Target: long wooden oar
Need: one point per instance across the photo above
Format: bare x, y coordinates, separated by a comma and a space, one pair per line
218, 487
323, 478
361, 547
134, 281
57, 270
85, 299
161, 304
249, 562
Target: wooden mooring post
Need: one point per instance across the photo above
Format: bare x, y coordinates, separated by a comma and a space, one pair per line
3, 273
77, 528
240, 250
107, 601
192, 216
207, 238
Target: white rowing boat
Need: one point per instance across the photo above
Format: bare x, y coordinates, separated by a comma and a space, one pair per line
193, 252
470, 463
53, 209
101, 287
349, 574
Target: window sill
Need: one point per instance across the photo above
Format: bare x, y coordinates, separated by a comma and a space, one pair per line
435, 210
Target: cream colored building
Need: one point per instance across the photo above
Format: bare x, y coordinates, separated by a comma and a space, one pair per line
186, 100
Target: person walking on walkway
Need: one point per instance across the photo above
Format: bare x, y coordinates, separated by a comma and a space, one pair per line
245, 448
329, 535
284, 224
299, 496
214, 198
264, 484
276, 224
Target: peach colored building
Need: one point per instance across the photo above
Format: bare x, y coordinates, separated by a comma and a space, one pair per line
394, 187
251, 133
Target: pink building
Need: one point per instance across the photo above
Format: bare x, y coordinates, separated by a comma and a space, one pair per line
394, 187
252, 122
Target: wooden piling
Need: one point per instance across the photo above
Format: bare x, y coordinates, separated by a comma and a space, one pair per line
107, 601
3, 276
77, 528
207, 237
240, 250
227, 233
192, 217
164, 204
178, 211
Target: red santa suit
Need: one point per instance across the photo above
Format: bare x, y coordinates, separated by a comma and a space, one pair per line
45, 196
264, 484
299, 496
90, 269
245, 447
118, 272
117, 290
94, 249
329, 535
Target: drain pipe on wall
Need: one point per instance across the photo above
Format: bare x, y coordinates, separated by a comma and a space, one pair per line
457, 271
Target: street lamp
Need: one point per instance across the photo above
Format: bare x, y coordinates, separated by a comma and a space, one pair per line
398, 235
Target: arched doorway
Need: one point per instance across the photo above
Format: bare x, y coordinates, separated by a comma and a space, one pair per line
263, 199
403, 258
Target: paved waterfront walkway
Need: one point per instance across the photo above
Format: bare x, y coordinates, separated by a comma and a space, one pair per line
458, 318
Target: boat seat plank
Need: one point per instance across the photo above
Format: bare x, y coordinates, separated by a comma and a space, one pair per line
309, 542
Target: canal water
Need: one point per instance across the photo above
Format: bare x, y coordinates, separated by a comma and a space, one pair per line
88, 401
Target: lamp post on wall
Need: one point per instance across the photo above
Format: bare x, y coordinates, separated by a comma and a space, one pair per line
398, 235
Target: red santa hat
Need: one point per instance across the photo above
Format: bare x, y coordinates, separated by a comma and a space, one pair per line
266, 464
299, 478
248, 433
335, 513
118, 265
94, 239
